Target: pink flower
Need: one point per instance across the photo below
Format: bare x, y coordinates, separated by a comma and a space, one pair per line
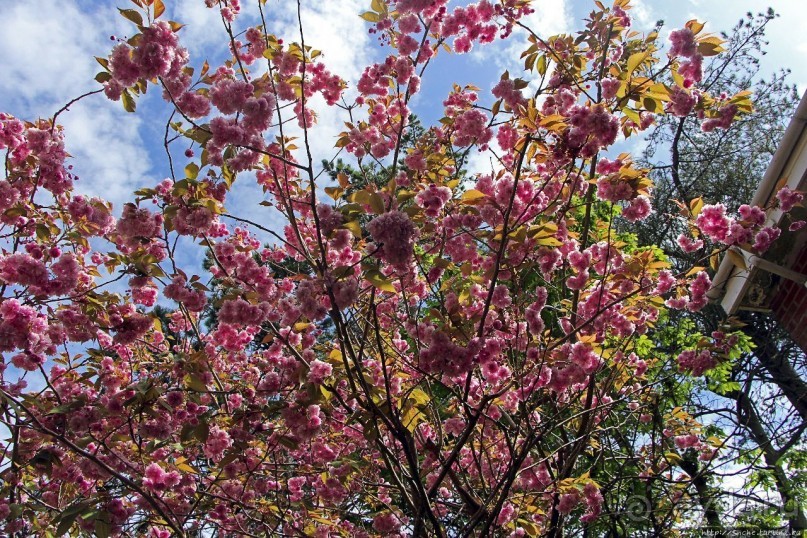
610, 86
681, 102
568, 501
395, 234
688, 244
765, 238
433, 198
387, 523
683, 43
788, 198
713, 222
319, 371
217, 442
638, 209
229, 95
723, 120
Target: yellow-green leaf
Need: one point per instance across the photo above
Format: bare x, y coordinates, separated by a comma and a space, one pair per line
132, 15
635, 60
129, 104
334, 192
695, 206
354, 227
737, 259
695, 26
379, 281
376, 203
472, 195
192, 171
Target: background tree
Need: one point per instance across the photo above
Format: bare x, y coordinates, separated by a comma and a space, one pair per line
755, 402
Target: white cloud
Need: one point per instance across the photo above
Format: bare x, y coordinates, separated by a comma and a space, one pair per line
107, 149
203, 34
550, 18
48, 49
45, 60
643, 14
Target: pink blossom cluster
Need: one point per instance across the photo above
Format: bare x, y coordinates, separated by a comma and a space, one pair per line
129, 325
387, 117
719, 227
788, 198
93, 213
610, 87
345, 292
697, 294
594, 500
444, 356
394, 235
682, 101
319, 371
242, 313
432, 199
685, 45
144, 291
26, 270
218, 441
303, 422
688, 244
469, 24
696, 362
470, 125
23, 328
254, 47
193, 299
138, 225
36, 156
378, 78
507, 91
157, 479
193, 221
329, 219
592, 128
310, 296
157, 55
725, 116
388, 523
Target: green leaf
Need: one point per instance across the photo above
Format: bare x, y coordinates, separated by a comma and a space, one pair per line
103, 76
369, 16
102, 528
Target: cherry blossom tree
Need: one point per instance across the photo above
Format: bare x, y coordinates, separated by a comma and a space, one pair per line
441, 355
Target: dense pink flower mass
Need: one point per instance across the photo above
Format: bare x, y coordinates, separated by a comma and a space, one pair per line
428, 352
394, 234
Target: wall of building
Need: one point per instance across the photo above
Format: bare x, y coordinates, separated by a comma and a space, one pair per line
789, 303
